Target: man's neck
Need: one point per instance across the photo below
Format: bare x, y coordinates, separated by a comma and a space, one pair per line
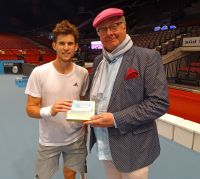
63, 67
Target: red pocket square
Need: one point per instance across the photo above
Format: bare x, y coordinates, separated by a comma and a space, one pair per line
131, 73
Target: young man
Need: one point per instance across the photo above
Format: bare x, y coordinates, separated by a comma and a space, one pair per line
51, 88
130, 90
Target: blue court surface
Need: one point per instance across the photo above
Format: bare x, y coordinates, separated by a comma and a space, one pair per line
19, 138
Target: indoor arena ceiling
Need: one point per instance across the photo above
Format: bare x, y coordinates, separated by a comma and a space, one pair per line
30, 14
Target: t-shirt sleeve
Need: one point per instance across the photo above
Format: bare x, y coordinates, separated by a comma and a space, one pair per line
85, 84
33, 87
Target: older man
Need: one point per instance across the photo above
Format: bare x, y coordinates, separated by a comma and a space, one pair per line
130, 90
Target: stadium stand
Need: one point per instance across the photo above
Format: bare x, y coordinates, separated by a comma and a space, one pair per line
15, 47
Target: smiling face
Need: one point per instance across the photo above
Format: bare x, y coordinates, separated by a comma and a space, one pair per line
112, 32
65, 47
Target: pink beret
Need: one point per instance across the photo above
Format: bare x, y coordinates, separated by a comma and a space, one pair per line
106, 14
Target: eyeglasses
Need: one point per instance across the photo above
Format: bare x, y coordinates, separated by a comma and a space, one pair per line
113, 27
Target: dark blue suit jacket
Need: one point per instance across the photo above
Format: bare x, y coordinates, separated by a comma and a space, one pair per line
136, 103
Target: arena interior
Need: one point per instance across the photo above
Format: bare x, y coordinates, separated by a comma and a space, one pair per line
171, 27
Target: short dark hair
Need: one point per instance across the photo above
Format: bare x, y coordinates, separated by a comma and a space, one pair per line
65, 27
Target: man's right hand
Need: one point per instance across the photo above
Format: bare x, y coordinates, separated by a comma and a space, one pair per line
61, 106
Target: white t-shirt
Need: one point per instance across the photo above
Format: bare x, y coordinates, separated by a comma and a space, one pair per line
47, 83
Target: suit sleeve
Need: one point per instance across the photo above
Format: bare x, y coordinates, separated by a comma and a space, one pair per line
155, 102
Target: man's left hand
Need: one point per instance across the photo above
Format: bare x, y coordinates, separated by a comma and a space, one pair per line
101, 120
